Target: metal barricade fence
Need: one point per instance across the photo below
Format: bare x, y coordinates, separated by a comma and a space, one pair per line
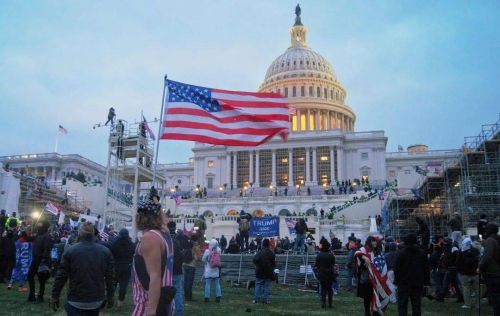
294, 269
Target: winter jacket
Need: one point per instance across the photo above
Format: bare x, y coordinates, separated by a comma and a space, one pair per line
123, 250
467, 261
89, 267
455, 224
410, 268
390, 260
42, 246
490, 261
264, 261
481, 225
300, 227
325, 266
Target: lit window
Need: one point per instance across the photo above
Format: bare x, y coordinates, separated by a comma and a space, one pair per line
311, 121
301, 159
284, 160
210, 164
364, 156
323, 158
294, 122
302, 122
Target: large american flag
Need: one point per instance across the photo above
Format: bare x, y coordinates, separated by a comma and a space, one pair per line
377, 271
222, 117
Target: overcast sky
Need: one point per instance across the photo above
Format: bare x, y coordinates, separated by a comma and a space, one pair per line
422, 71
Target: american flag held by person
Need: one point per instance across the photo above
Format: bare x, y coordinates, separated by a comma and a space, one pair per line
222, 117
377, 270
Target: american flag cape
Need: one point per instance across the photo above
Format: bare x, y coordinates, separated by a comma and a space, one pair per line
377, 271
222, 117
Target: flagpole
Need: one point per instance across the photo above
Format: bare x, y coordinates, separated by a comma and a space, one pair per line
160, 125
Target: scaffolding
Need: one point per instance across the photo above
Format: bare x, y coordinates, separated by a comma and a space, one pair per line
129, 173
469, 185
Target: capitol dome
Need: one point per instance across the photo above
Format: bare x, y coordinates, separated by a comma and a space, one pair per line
310, 83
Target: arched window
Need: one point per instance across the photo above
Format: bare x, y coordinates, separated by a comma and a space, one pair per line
294, 91
302, 91
325, 93
279, 91
311, 91
331, 94
318, 92
286, 92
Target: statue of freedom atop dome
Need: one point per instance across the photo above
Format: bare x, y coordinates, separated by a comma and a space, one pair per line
297, 13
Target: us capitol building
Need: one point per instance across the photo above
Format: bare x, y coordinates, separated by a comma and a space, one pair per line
322, 149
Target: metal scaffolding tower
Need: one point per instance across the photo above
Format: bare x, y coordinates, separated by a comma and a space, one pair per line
469, 185
129, 174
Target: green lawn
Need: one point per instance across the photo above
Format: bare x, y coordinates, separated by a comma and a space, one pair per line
238, 301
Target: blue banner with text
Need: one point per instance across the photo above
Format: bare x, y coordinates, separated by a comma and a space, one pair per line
265, 226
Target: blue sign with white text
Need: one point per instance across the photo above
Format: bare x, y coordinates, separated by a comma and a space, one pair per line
265, 226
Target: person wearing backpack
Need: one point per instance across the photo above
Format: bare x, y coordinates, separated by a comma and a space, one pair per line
467, 262
212, 261
489, 266
244, 229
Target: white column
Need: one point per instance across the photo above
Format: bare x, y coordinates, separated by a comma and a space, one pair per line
290, 168
53, 175
315, 168
332, 165
273, 167
250, 166
340, 163
235, 170
228, 169
257, 170
308, 167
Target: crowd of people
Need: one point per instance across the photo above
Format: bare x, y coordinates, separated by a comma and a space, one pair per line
163, 264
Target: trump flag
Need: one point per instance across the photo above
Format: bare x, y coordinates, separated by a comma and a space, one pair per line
222, 117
